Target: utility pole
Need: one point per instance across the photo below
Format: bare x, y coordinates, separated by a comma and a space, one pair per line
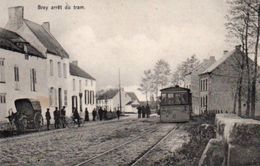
120, 101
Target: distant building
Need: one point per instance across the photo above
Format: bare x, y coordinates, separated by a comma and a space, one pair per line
131, 106
218, 83
191, 81
22, 72
110, 99
82, 88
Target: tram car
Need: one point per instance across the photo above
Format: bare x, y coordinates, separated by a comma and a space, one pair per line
175, 104
28, 115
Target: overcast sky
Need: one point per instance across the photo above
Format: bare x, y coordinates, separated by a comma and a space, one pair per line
131, 34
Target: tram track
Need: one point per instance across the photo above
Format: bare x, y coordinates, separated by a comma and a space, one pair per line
121, 147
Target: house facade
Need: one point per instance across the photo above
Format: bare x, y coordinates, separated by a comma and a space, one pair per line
82, 89
110, 100
22, 72
192, 79
218, 83
54, 69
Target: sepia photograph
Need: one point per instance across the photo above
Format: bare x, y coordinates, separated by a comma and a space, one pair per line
129, 83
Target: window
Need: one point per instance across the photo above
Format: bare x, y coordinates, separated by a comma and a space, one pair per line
86, 96
91, 82
2, 70
16, 77
80, 85
33, 79
26, 56
86, 82
2, 98
51, 68
59, 69
89, 97
64, 70
16, 74
65, 97
74, 84
206, 84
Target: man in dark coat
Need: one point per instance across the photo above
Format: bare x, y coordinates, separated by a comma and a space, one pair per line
143, 111
100, 113
139, 111
118, 114
105, 114
147, 111
86, 114
63, 116
48, 118
76, 116
94, 114
56, 115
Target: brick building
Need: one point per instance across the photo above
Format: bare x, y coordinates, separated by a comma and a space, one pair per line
191, 81
218, 83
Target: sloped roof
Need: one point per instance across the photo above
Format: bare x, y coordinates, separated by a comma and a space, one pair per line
175, 88
109, 94
218, 62
132, 96
46, 38
12, 41
77, 71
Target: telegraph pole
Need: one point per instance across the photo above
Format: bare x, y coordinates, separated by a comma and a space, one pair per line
120, 101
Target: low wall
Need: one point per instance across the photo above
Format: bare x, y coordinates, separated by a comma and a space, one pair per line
237, 142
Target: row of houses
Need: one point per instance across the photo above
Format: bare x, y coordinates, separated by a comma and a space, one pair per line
214, 83
33, 64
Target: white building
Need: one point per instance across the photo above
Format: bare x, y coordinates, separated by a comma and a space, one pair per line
131, 106
57, 64
82, 88
22, 72
110, 99
53, 75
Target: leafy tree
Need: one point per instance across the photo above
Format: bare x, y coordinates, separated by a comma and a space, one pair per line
146, 85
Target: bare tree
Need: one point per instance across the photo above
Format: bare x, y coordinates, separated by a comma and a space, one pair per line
146, 85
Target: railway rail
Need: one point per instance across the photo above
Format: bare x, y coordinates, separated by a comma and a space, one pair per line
140, 157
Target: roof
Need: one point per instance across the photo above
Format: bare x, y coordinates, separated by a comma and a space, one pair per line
218, 62
46, 38
175, 88
109, 94
132, 96
12, 41
77, 71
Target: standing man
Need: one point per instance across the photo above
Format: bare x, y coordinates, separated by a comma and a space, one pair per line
94, 114
100, 113
143, 111
76, 116
48, 118
118, 113
139, 111
148, 111
86, 114
56, 115
63, 116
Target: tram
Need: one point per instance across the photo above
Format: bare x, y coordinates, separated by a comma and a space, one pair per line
175, 104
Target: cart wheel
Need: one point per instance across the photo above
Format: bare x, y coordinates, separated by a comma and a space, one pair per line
38, 121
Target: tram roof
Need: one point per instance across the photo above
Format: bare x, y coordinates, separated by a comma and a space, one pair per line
175, 88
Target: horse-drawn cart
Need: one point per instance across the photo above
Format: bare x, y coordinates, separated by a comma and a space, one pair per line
28, 115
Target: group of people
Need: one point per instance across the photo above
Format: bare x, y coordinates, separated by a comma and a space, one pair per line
144, 111
60, 116
103, 114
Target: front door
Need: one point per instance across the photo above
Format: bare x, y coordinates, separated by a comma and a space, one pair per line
74, 102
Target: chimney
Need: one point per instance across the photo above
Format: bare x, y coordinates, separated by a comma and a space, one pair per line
46, 26
75, 63
238, 48
225, 52
16, 15
212, 58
